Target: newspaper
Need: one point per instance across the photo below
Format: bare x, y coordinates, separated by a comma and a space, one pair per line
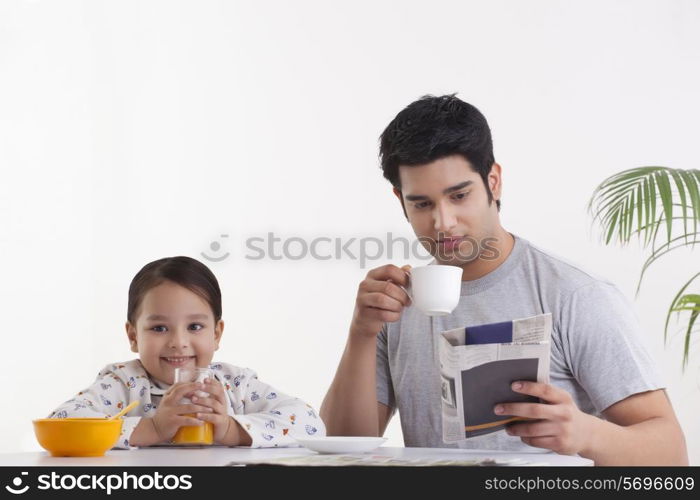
387, 461
478, 364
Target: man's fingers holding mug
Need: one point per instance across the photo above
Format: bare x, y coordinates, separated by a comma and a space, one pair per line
382, 315
388, 288
382, 301
389, 272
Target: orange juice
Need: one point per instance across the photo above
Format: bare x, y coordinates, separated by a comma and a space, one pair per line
195, 434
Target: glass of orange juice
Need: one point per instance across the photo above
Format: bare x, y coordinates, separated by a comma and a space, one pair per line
194, 434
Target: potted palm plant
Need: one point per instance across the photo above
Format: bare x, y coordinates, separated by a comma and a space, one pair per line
659, 206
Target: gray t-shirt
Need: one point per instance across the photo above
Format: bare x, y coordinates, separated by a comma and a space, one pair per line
596, 351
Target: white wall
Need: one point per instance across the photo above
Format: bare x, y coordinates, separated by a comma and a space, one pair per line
130, 131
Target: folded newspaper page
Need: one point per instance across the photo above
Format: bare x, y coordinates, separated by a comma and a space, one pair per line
479, 363
365, 460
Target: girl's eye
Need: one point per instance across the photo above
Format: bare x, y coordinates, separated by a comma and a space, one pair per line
196, 326
159, 328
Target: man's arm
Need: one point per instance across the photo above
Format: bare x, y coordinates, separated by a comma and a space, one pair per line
384, 414
350, 407
600, 336
641, 429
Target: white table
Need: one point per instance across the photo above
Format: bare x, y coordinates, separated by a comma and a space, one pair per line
154, 457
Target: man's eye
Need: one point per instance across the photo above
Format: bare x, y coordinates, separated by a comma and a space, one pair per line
159, 328
459, 196
196, 326
421, 204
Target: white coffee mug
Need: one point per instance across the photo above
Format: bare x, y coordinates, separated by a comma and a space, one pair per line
435, 289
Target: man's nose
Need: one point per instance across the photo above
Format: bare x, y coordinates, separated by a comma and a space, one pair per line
444, 218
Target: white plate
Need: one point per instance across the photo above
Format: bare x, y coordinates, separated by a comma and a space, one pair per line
341, 444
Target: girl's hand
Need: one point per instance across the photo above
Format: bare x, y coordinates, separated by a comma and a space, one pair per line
171, 415
226, 430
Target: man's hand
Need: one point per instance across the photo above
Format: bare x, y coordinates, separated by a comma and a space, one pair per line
558, 426
171, 415
380, 299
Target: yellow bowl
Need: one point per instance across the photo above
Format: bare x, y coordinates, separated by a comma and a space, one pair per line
77, 437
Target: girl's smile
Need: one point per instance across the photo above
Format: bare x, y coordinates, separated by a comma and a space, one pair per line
178, 361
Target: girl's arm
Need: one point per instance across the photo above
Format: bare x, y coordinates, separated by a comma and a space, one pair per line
104, 398
272, 418
144, 433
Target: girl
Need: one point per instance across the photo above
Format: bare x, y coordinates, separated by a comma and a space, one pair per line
174, 320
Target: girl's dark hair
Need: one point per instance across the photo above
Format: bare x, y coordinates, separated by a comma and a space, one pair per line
185, 271
432, 128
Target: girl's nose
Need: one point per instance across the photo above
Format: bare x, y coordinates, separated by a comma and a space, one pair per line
179, 339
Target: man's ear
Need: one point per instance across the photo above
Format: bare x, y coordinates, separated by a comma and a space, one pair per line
495, 181
399, 195
131, 334
218, 332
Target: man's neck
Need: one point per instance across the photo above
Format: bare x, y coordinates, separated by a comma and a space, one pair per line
480, 267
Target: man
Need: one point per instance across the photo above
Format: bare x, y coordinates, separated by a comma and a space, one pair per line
605, 400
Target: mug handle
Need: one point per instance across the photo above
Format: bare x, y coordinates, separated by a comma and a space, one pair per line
409, 288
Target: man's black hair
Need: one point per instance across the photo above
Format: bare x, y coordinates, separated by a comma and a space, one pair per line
435, 127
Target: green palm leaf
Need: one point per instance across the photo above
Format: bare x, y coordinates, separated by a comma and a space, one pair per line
640, 191
667, 247
651, 202
682, 303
